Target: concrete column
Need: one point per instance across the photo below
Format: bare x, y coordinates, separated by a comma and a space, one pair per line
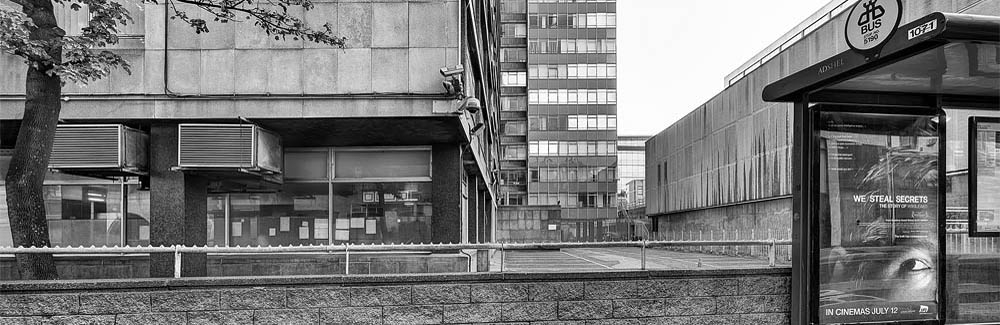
178, 207
446, 187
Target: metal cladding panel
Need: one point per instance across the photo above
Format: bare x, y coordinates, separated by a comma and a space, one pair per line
91, 146
214, 145
136, 149
269, 151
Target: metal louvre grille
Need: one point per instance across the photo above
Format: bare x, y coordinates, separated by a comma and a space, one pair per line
216, 146
90, 146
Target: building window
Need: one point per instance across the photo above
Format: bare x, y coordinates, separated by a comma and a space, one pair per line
353, 164
514, 199
84, 214
357, 195
514, 79
514, 30
572, 148
514, 128
588, 20
512, 177
374, 213
516, 152
514, 103
137, 216
513, 7
297, 215
572, 96
572, 174
573, 71
554, 45
513, 55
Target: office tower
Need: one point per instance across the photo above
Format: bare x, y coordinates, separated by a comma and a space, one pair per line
559, 119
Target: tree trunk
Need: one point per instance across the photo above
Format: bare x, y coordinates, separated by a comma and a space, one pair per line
28, 166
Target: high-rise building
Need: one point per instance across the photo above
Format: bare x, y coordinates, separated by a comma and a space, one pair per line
559, 117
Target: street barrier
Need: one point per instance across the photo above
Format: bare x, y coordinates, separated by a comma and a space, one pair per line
347, 249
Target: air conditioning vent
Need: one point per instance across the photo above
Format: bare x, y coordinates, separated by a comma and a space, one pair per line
242, 146
107, 149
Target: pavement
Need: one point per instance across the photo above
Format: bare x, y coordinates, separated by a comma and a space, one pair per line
621, 258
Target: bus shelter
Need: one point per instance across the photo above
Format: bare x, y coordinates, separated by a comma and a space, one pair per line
896, 173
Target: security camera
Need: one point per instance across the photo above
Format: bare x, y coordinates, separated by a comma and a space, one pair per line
452, 71
472, 105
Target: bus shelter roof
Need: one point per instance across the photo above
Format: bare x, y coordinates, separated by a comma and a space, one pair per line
952, 56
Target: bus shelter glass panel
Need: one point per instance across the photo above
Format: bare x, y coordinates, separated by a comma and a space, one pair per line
878, 202
985, 146
973, 256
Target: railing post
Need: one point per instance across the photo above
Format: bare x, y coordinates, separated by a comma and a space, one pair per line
347, 259
177, 262
772, 250
503, 257
643, 249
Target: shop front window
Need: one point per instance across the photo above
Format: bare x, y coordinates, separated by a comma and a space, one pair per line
379, 195
84, 211
373, 213
84, 214
137, 218
297, 215
217, 220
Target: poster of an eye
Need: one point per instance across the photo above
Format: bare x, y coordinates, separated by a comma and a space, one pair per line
878, 205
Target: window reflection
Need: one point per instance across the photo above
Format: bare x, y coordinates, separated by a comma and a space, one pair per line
83, 214
372, 213
137, 218
297, 215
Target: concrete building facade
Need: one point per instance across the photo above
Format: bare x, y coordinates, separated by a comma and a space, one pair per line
560, 113
248, 140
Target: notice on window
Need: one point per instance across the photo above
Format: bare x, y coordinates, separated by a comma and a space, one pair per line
143, 232
343, 224
285, 223
370, 227
987, 151
357, 223
322, 230
303, 232
237, 229
878, 210
271, 232
342, 235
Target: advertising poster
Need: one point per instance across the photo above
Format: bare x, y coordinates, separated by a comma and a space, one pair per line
878, 208
987, 169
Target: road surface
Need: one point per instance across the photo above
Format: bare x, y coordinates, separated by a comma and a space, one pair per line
624, 258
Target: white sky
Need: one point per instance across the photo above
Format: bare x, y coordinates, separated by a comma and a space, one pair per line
673, 55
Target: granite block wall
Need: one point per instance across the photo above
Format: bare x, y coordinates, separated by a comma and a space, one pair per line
632, 297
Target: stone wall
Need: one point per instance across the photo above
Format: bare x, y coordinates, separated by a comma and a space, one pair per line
631, 297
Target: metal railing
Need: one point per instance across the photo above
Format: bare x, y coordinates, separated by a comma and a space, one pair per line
348, 249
